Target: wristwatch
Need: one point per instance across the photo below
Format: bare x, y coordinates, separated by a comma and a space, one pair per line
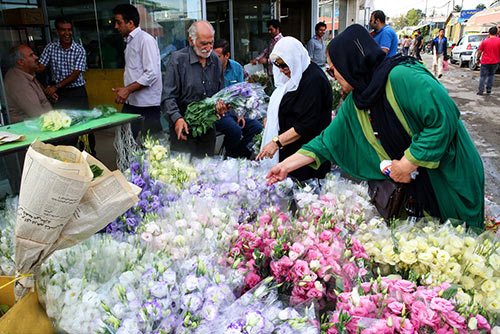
277, 141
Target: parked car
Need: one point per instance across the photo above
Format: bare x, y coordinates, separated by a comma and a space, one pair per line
473, 60
461, 53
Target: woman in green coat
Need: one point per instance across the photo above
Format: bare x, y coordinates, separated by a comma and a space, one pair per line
397, 110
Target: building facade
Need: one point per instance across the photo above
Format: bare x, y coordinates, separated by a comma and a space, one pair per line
241, 22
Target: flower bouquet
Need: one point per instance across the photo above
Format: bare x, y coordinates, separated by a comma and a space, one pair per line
433, 253
262, 79
311, 260
337, 93
62, 119
7, 237
260, 311
245, 100
398, 306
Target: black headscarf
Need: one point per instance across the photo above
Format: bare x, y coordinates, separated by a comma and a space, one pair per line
364, 65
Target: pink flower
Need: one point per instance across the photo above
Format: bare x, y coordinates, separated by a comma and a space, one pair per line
264, 219
313, 254
482, 322
281, 267
314, 293
350, 269
396, 307
366, 286
407, 327
454, 319
252, 279
235, 251
299, 295
326, 235
325, 249
358, 250
403, 285
297, 247
283, 217
300, 269
441, 305
330, 295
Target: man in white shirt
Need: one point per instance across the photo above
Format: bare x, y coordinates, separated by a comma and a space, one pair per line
142, 77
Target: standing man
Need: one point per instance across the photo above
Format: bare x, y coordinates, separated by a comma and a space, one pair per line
24, 93
238, 131
419, 45
193, 73
439, 48
142, 77
406, 45
273, 27
316, 46
67, 61
385, 36
489, 56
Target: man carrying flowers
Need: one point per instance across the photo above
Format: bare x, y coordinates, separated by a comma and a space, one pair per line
193, 73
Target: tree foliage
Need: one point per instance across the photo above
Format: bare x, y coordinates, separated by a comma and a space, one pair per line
457, 8
412, 18
481, 6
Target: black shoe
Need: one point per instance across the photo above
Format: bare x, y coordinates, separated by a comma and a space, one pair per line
439, 76
479, 93
488, 92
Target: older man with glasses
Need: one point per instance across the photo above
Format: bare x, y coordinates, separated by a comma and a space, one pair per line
193, 73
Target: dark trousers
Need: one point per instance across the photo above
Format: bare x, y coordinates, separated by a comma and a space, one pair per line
75, 98
151, 116
198, 147
72, 98
486, 76
417, 54
236, 138
405, 51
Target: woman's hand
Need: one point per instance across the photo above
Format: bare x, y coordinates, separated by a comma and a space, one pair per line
267, 151
401, 170
276, 174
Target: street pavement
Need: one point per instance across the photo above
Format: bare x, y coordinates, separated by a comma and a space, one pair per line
481, 116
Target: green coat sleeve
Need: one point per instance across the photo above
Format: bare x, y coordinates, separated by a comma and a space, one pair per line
343, 143
430, 112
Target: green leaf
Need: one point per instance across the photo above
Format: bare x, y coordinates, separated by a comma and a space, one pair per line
450, 292
340, 284
96, 170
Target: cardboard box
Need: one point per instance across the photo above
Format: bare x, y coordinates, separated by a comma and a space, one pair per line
23, 16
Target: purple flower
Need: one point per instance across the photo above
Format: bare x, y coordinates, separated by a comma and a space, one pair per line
132, 222
235, 328
152, 310
134, 166
209, 311
138, 181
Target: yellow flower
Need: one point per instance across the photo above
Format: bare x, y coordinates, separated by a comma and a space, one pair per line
388, 255
467, 282
408, 257
442, 257
462, 298
422, 244
469, 241
493, 306
488, 286
426, 258
452, 269
494, 262
409, 246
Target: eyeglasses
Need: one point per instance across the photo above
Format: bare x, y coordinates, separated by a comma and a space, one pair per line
331, 72
283, 66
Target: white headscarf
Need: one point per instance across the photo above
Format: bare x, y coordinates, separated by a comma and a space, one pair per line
296, 57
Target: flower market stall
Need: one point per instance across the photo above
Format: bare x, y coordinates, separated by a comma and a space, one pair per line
210, 248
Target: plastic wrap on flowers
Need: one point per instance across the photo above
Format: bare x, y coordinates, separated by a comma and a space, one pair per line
246, 100
339, 201
242, 183
433, 253
7, 227
311, 260
175, 172
195, 225
171, 300
399, 306
152, 201
262, 79
260, 311
64, 118
75, 282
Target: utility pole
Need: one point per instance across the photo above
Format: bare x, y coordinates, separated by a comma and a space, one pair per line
425, 9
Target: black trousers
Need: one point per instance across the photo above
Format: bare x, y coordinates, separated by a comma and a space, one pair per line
75, 98
198, 147
151, 116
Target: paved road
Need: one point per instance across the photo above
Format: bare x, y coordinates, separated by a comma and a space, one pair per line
481, 115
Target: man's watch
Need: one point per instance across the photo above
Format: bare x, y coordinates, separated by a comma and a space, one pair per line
277, 141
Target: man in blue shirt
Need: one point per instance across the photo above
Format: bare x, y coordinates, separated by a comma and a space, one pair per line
439, 47
385, 36
238, 131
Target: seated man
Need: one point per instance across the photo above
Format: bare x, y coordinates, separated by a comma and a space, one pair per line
25, 94
238, 131
193, 73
